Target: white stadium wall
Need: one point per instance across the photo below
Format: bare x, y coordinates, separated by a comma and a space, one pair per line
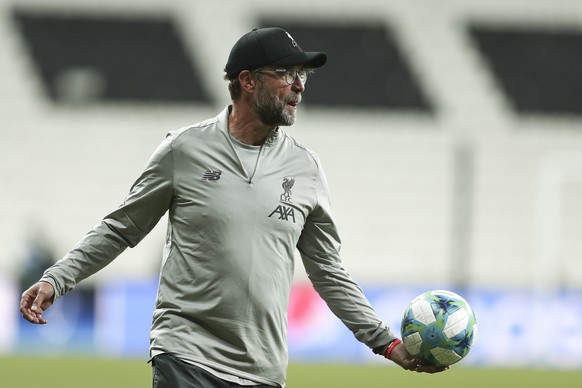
469, 186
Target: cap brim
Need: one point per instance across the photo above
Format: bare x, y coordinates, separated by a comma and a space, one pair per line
307, 59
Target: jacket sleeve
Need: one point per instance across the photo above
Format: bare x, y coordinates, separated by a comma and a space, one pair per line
319, 246
148, 200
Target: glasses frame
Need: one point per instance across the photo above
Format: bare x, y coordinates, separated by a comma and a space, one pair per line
289, 74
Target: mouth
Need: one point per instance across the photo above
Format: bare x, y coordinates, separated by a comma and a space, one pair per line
293, 103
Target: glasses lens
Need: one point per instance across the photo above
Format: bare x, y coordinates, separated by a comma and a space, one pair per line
293, 73
290, 76
303, 75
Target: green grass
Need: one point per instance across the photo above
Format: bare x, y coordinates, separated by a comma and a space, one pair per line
28, 372
357, 376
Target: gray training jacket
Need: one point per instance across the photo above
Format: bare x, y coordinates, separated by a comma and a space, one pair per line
228, 260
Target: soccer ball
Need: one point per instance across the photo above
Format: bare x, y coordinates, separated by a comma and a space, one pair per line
438, 327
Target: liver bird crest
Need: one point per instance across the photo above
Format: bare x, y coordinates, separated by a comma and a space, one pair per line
287, 186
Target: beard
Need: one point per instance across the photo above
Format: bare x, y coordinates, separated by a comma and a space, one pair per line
271, 108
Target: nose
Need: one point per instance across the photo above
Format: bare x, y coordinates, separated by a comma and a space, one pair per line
298, 86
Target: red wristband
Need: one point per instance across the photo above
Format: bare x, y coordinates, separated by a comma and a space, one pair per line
391, 347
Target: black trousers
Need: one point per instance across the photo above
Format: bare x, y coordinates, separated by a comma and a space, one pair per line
171, 372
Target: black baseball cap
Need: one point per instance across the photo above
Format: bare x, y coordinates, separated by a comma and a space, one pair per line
269, 46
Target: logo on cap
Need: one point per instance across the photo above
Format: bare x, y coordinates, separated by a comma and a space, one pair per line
292, 40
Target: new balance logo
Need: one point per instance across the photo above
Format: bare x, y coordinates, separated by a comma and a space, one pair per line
211, 175
285, 213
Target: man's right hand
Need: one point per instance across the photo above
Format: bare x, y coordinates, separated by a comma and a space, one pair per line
401, 357
35, 301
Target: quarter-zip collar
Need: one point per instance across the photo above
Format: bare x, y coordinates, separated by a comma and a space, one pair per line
272, 139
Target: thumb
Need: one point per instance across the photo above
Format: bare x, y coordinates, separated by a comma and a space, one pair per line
37, 303
43, 297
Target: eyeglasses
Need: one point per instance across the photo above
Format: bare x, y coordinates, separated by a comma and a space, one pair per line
288, 74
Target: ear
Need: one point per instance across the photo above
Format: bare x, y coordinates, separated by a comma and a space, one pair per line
247, 80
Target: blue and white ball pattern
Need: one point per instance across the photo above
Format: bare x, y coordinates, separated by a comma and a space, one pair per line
439, 327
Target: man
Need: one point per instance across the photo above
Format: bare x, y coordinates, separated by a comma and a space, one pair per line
241, 195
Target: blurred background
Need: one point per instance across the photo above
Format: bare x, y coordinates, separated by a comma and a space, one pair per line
450, 132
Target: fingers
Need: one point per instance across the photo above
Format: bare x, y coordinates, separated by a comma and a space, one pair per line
401, 357
32, 313
409, 364
35, 300
420, 367
413, 364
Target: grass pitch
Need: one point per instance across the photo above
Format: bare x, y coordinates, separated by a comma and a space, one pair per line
48, 372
